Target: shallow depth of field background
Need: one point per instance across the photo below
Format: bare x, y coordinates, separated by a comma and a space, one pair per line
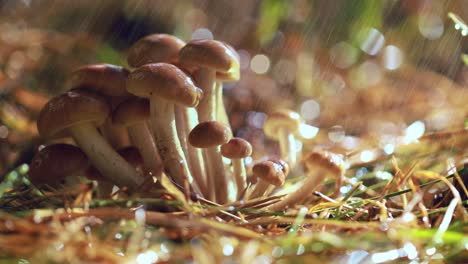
351, 68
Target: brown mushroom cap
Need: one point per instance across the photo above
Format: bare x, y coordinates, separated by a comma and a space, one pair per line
131, 111
325, 160
69, 109
283, 164
211, 54
236, 148
103, 78
281, 119
208, 134
132, 156
55, 162
154, 48
166, 81
270, 172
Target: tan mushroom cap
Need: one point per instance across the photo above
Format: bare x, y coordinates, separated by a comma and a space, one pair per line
211, 54
166, 81
103, 78
132, 155
69, 109
55, 162
283, 164
209, 134
154, 48
236, 148
270, 172
131, 111
281, 119
325, 160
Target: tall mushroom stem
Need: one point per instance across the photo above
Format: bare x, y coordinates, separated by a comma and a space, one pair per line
167, 142
287, 142
186, 120
207, 111
142, 138
221, 113
205, 79
104, 158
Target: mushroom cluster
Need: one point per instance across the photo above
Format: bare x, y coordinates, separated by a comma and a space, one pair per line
166, 115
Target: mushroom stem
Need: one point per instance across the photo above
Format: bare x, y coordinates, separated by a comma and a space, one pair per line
207, 107
116, 135
167, 142
186, 120
221, 113
239, 175
215, 162
259, 190
287, 142
310, 184
104, 158
207, 111
141, 137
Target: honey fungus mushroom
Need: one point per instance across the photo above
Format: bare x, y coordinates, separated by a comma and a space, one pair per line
157, 48
109, 81
211, 57
57, 164
153, 49
281, 126
269, 173
210, 135
320, 165
165, 85
78, 112
237, 149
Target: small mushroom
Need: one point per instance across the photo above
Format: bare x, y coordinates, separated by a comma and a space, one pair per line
108, 80
165, 85
210, 56
270, 173
320, 165
237, 149
57, 164
134, 113
281, 126
210, 135
78, 112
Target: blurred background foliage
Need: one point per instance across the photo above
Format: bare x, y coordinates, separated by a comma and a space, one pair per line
352, 67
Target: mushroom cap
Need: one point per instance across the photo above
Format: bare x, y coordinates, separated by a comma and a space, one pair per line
55, 162
281, 119
270, 172
325, 160
69, 109
236, 148
132, 155
211, 54
154, 48
166, 81
283, 164
103, 78
209, 134
131, 111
